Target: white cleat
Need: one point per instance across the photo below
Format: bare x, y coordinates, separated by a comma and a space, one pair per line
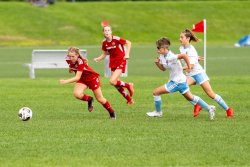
154, 114
212, 112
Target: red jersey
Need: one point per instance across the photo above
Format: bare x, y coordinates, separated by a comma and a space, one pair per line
115, 49
88, 73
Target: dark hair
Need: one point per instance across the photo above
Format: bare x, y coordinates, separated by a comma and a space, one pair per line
163, 42
189, 34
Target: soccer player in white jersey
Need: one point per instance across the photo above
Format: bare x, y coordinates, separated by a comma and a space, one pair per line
177, 80
197, 75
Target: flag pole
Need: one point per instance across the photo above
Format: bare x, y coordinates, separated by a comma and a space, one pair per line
205, 45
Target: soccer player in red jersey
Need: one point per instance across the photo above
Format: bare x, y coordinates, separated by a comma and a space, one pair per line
114, 47
85, 77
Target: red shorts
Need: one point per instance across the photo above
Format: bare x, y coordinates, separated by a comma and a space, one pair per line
93, 84
121, 65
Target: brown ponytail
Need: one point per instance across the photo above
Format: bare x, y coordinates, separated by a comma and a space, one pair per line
190, 34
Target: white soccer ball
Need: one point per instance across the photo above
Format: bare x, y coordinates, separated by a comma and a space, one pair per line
25, 113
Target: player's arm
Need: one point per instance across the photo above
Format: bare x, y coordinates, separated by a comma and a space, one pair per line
186, 59
71, 70
102, 56
200, 58
159, 65
70, 80
128, 45
186, 68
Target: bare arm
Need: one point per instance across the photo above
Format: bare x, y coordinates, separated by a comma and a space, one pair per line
102, 56
191, 65
186, 59
128, 43
70, 80
160, 66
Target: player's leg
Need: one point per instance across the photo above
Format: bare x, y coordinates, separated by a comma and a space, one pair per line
114, 80
129, 86
125, 94
197, 100
157, 101
115, 77
190, 81
99, 96
209, 91
197, 108
78, 93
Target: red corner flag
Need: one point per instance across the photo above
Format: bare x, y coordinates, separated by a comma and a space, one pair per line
104, 23
199, 27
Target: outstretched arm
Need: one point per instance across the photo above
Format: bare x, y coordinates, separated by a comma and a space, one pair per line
70, 80
102, 56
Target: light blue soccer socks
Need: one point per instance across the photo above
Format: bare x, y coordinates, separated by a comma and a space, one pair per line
157, 100
221, 102
202, 103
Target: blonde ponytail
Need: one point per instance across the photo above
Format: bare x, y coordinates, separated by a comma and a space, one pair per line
77, 52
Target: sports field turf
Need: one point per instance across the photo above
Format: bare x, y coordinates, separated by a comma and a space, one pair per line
63, 133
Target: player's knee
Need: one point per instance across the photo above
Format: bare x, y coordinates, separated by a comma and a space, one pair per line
156, 93
112, 82
77, 95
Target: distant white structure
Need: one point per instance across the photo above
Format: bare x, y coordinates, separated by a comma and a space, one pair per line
49, 59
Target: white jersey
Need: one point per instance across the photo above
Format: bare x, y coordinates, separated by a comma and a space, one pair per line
193, 58
171, 62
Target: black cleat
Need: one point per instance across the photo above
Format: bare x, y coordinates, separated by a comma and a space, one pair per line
112, 115
90, 104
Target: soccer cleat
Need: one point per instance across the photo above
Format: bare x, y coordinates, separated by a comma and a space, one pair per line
154, 114
112, 115
197, 109
230, 113
130, 102
212, 112
90, 104
131, 89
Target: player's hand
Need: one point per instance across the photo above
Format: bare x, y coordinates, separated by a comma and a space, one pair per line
62, 81
96, 59
157, 60
200, 58
126, 57
71, 71
188, 69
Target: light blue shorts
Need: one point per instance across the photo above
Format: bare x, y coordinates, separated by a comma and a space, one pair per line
200, 78
172, 87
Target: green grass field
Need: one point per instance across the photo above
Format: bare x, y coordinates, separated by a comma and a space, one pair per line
141, 22
63, 133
